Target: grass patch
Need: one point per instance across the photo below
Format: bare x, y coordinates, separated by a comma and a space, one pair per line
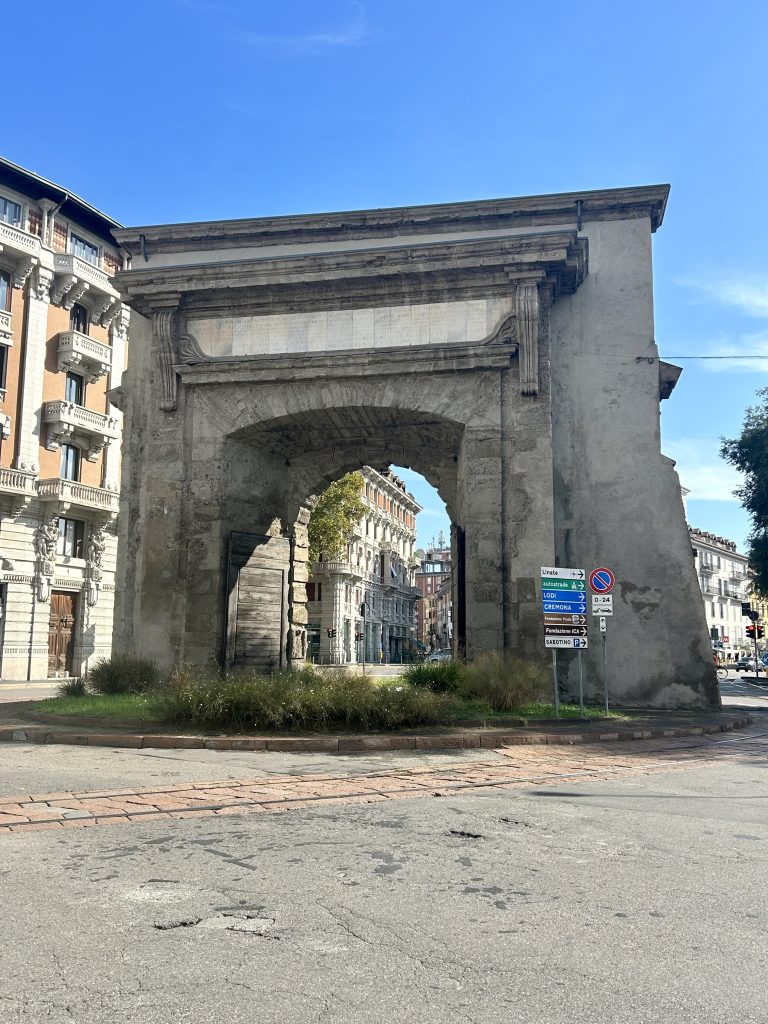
304, 700
439, 676
120, 705
123, 673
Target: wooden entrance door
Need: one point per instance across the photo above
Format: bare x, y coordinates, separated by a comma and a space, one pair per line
257, 601
61, 634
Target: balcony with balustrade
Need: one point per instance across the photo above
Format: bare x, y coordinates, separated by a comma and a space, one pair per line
74, 277
17, 487
74, 424
69, 495
21, 248
82, 354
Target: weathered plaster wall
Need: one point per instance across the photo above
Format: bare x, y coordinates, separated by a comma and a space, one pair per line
617, 499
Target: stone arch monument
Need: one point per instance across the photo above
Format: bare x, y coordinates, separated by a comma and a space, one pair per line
504, 349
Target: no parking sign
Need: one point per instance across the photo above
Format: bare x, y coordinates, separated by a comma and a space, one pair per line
601, 581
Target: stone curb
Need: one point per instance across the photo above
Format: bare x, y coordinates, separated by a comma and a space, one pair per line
357, 744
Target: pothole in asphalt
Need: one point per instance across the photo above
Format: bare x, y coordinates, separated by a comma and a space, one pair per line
248, 923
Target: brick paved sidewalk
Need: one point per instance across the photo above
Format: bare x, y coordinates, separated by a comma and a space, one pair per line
524, 766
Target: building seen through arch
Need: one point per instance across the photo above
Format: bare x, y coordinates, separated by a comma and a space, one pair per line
361, 606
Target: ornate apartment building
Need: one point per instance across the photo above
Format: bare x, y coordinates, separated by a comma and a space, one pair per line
363, 607
434, 619
63, 334
724, 582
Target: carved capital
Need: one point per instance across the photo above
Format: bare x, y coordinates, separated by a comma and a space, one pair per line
40, 285
118, 317
527, 310
173, 346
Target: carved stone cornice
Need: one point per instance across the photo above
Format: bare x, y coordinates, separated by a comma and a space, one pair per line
174, 347
396, 274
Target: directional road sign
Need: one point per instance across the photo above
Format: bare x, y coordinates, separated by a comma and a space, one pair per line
564, 607
547, 572
565, 630
564, 602
603, 625
601, 581
566, 641
553, 619
764, 659
563, 595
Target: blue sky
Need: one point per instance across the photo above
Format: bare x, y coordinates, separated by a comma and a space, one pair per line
181, 110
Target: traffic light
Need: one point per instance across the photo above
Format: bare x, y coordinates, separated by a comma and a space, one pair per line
751, 631
332, 632
359, 636
760, 631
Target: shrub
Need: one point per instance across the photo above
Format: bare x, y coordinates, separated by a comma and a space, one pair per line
303, 699
123, 673
440, 676
71, 688
504, 681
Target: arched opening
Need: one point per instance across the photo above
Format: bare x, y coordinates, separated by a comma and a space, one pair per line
361, 601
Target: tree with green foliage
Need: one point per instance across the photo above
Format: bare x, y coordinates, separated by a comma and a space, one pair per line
338, 510
749, 454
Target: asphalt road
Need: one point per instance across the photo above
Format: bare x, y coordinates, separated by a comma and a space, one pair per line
640, 899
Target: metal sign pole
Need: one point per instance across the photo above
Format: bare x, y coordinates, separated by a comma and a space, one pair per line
581, 687
605, 671
554, 683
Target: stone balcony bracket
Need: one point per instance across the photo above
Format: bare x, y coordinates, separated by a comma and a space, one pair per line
90, 430
6, 328
65, 495
73, 278
82, 354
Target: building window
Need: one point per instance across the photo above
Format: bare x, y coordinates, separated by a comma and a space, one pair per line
74, 389
83, 250
71, 534
79, 319
70, 462
3, 368
10, 212
5, 290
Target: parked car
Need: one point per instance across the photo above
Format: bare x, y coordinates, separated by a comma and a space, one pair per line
442, 655
746, 664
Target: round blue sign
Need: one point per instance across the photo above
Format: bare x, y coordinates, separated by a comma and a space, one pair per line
601, 581
764, 658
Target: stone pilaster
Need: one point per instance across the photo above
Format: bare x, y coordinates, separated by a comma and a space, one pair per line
30, 421
119, 333
527, 310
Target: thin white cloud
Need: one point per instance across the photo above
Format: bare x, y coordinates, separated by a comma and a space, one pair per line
354, 33
700, 468
750, 295
753, 345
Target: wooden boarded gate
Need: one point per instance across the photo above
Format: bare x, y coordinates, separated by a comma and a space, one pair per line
257, 601
61, 634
